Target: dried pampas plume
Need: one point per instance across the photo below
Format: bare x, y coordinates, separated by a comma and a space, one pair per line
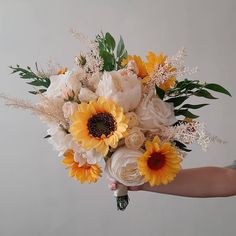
49, 110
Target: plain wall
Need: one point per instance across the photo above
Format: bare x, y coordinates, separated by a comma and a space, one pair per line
36, 196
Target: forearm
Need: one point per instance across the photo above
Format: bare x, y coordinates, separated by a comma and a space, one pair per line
200, 182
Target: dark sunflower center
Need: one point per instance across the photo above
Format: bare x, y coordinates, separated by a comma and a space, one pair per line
156, 161
100, 124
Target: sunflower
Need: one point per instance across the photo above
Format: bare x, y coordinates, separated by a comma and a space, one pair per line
99, 124
142, 72
85, 173
156, 65
160, 163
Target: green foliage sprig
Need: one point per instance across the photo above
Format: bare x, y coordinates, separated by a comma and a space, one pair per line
184, 90
34, 78
112, 58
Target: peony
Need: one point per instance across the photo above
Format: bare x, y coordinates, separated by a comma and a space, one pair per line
123, 167
124, 90
154, 113
64, 82
135, 138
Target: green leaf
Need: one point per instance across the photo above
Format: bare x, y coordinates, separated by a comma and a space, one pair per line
218, 88
185, 113
183, 84
192, 86
33, 92
36, 83
177, 101
194, 106
109, 61
160, 92
120, 48
181, 146
110, 41
204, 93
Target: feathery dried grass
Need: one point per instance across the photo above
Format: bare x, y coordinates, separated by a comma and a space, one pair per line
49, 110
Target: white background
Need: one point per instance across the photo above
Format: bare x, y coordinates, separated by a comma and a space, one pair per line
36, 196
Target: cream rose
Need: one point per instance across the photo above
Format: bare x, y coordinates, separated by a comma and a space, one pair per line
132, 119
124, 90
134, 140
154, 113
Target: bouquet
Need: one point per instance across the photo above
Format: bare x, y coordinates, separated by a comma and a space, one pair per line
119, 109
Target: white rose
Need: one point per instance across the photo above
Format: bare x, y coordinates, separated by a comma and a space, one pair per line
69, 108
62, 82
123, 167
153, 113
135, 138
124, 90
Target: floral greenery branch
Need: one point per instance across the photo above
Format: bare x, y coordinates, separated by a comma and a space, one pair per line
181, 92
35, 79
184, 90
107, 45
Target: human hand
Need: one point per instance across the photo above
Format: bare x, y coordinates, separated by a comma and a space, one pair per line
113, 185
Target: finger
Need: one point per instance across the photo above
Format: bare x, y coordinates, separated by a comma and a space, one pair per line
112, 186
134, 188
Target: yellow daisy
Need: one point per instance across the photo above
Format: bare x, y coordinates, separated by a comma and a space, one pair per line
140, 64
99, 125
160, 163
86, 173
155, 63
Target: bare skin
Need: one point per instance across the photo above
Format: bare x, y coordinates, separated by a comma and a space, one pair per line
202, 182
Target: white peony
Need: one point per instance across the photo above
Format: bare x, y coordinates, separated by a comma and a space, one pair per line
64, 82
124, 90
123, 167
154, 113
